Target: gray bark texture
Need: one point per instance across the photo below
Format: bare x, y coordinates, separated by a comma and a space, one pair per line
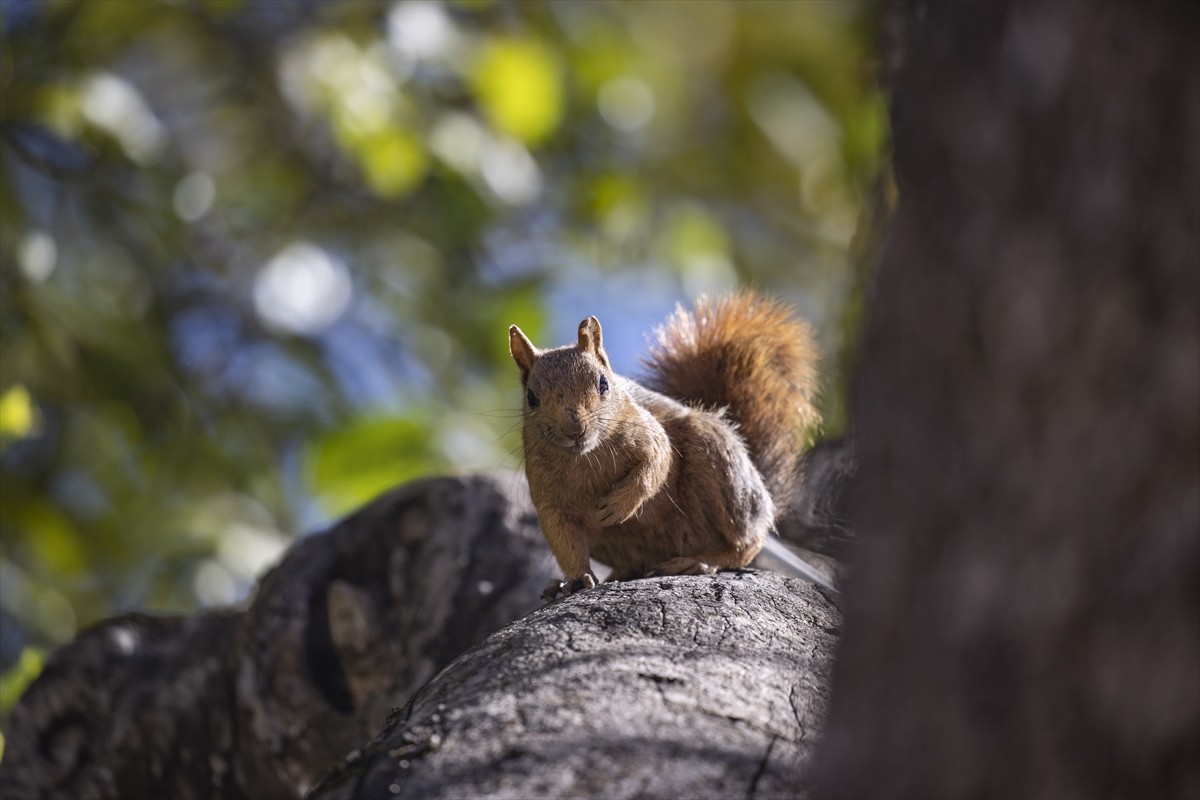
259, 703
1023, 619
704, 686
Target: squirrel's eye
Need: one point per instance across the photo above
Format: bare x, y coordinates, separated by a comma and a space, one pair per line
532, 398
603, 385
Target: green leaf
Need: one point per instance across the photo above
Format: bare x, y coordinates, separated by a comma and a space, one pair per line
357, 462
51, 538
393, 162
19, 416
14, 682
518, 85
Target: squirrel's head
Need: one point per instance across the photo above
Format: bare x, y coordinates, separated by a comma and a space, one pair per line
567, 389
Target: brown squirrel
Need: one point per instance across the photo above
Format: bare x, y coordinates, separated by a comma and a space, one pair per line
684, 477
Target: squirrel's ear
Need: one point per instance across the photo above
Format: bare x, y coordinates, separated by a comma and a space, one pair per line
591, 340
523, 351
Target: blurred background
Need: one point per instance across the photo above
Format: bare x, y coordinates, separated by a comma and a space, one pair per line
259, 257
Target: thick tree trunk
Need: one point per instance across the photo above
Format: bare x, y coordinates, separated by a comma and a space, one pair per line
1024, 619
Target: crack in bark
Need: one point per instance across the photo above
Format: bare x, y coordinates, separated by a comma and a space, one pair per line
762, 767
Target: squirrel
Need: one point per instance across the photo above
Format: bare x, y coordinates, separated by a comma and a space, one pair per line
685, 475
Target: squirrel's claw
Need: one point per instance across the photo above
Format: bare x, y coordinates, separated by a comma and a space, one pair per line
567, 588
605, 514
609, 510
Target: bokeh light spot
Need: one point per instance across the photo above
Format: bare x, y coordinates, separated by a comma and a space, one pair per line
37, 254
518, 85
302, 290
420, 29
626, 104
193, 196
114, 105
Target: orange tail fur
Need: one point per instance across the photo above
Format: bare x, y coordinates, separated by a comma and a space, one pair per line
751, 356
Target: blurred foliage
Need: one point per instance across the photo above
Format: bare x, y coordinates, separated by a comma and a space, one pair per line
259, 256
15, 680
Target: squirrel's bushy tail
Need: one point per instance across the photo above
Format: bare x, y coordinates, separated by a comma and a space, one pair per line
751, 356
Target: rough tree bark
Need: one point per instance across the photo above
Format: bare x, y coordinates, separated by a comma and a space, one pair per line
1024, 617
259, 703
708, 686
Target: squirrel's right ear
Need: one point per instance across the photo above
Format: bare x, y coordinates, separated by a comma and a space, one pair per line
591, 340
523, 351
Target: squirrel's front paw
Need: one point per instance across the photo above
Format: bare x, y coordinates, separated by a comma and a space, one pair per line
611, 510
567, 588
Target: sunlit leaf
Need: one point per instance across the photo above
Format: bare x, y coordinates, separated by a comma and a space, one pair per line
19, 417
612, 191
16, 680
52, 539
520, 89
393, 162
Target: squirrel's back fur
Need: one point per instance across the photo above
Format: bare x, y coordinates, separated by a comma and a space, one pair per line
751, 356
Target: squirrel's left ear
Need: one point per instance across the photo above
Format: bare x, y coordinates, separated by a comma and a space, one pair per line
591, 341
523, 351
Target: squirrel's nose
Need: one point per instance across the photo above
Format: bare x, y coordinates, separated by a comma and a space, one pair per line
570, 424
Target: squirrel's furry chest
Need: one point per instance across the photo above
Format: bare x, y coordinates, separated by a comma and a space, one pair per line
573, 482
569, 480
